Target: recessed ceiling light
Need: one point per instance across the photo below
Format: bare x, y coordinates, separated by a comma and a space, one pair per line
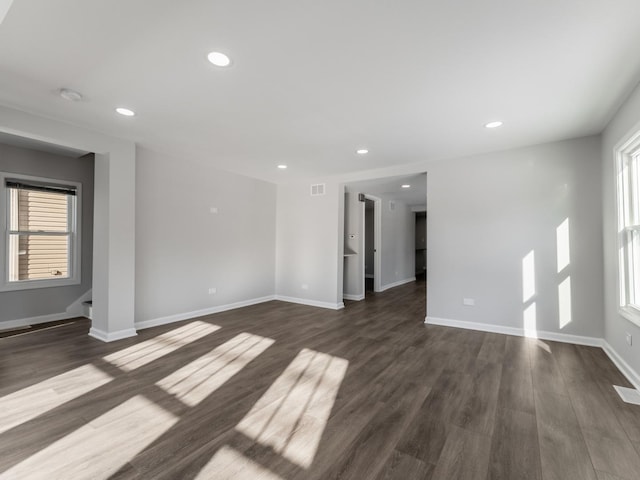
219, 59
282, 167
406, 185
362, 151
493, 124
125, 111
70, 95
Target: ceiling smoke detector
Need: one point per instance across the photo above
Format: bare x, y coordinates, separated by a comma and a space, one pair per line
70, 95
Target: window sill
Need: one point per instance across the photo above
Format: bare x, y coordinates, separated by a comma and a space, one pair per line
33, 284
631, 314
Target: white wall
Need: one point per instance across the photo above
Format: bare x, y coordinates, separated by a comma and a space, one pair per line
397, 243
624, 123
486, 213
25, 304
354, 264
309, 244
182, 249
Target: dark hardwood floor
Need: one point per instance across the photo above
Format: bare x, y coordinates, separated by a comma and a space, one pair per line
284, 391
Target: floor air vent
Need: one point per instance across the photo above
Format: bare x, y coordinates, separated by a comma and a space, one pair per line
629, 395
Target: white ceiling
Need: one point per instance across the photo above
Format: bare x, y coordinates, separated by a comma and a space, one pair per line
32, 144
415, 195
312, 81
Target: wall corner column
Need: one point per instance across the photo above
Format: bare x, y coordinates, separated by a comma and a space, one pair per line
114, 244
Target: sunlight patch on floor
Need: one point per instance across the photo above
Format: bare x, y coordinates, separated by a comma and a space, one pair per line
200, 378
291, 416
100, 448
229, 464
26, 404
146, 352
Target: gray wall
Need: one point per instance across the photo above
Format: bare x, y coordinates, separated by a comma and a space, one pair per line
309, 246
397, 242
625, 122
182, 249
45, 301
486, 213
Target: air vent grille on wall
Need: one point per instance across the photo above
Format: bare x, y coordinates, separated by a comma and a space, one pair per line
317, 189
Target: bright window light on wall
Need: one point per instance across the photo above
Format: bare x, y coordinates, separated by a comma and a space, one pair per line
528, 276
5, 5
628, 193
562, 245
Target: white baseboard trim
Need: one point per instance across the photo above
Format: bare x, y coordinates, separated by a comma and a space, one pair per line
348, 296
311, 303
623, 366
519, 332
155, 322
396, 284
112, 336
25, 322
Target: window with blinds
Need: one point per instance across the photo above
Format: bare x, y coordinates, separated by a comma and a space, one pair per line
40, 241
628, 192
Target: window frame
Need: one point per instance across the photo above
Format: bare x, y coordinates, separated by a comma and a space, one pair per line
627, 178
75, 240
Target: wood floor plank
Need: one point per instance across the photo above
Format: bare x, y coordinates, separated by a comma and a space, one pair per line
546, 374
401, 466
514, 448
593, 411
563, 451
492, 349
426, 436
628, 415
378, 440
465, 455
607, 476
616, 456
477, 412
412, 401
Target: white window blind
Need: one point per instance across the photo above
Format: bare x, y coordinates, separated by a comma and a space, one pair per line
41, 234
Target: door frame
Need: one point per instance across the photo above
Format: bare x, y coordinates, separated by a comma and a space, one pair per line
377, 244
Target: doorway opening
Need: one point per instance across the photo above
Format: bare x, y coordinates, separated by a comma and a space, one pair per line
371, 270
384, 236
421, 246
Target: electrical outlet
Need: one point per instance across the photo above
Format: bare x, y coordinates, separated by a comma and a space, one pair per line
629, 339
212, 290
469, 302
